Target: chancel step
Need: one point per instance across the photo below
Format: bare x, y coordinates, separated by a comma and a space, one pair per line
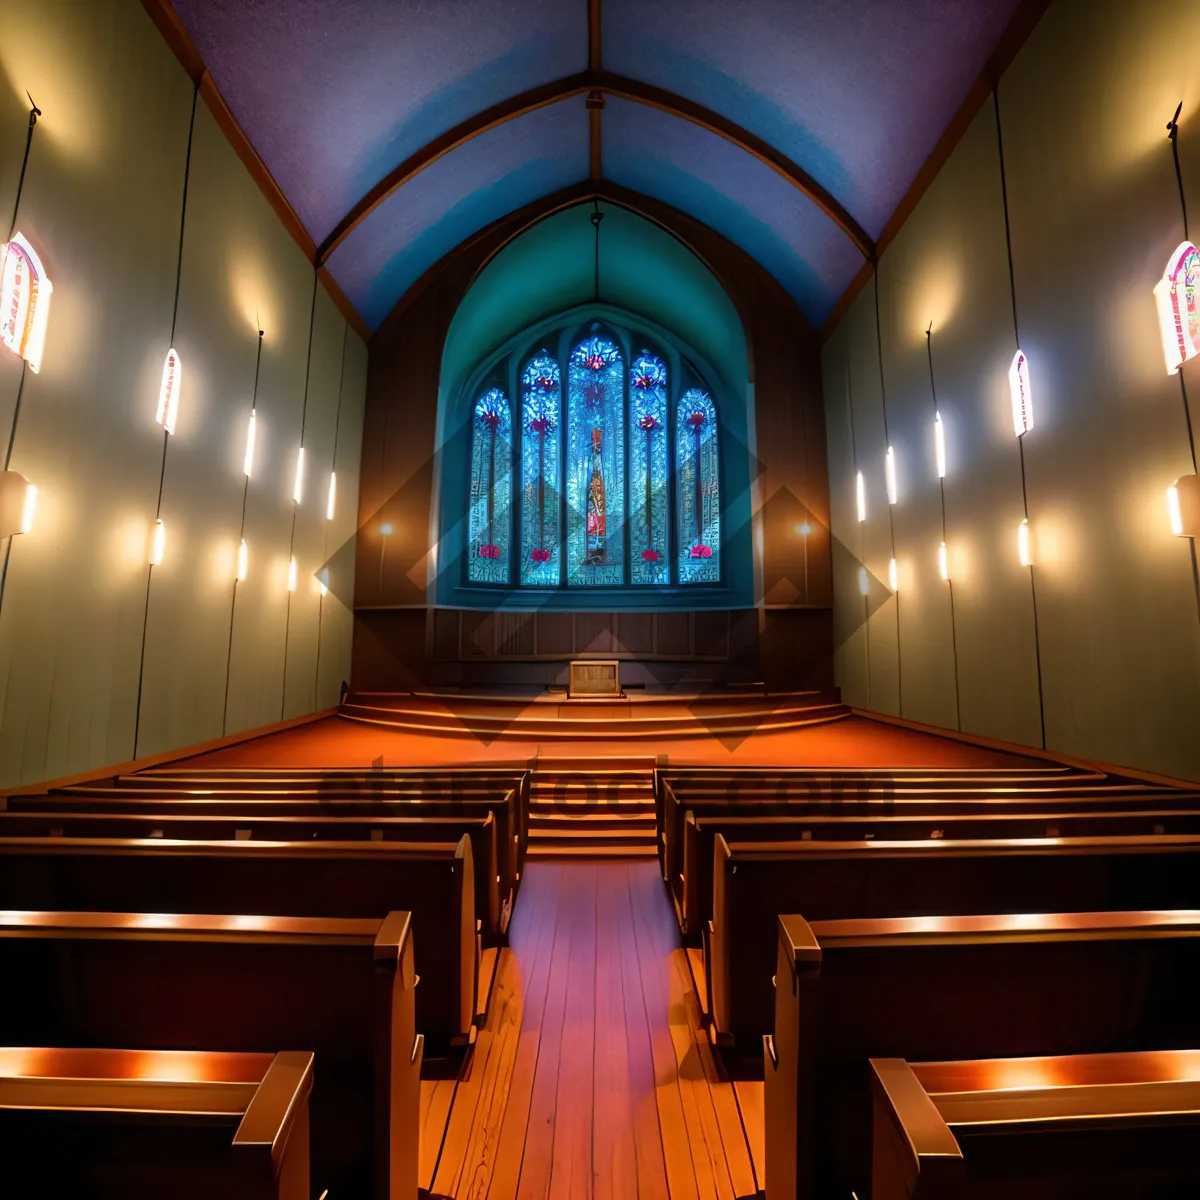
595, 807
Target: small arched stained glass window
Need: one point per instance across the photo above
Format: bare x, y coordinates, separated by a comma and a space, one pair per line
489, 518
649, 504
595, 463
697, 483
541, 416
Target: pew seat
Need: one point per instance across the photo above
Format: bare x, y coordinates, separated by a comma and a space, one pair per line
1082, 1127
432, 880
753, 882
133, 1125
699, 834
183, 982
493, 905
951, 988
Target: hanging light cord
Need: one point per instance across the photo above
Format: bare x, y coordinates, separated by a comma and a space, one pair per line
597, 217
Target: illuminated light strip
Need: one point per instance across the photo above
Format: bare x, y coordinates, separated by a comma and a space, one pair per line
860, 495
28, 508
291, 576
1177, 295
24, 301
1021, 393
168, 391
864, 581
1025, 543
943, 563
243, 561
889, 470
329, 505
939, 445
158, 543
893, 576
298, 485
1174, 513
248, 459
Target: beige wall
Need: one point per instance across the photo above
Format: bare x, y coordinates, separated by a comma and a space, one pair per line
102, 203
1094, 214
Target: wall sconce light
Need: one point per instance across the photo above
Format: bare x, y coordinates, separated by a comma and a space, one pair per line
864, 581
158, 543
943, 563
1025, 543
18, 503
1022, 396
291, 578
889, 470
860, 496
386, 529
939, 445
332, 496
1183, 506
893, 575
243, 562
168, 391
1177, 295
298, 485
248, 458
25, 301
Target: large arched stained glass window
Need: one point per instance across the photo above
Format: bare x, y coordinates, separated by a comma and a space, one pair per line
697, 480
541, 405
649, 509
491, 489
595, 463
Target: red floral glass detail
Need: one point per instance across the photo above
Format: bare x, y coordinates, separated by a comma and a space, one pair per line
542, 425
701, 551
489, 551
643, 381
539, 556
649, 423
696, 420
594, 362
649, 556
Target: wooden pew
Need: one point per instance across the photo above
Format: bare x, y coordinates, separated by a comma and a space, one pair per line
434, 881
505, 808
699, 834
127, 1125
344, 988
491, 907
934, 988
1100, 1126
754, 882
896, 794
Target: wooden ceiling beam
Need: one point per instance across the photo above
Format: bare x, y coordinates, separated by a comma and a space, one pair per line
604, 83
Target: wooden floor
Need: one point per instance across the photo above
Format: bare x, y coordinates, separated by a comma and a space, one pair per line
591, 1077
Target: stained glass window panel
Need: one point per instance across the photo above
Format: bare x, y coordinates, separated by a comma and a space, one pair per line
488, 520
649, 505
698, 482
541, 417
595, 464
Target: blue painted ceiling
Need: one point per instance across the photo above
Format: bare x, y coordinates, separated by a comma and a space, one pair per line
334, 94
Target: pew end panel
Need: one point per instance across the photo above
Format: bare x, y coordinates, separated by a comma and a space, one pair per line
914, 1155
787, 1066
137, 1124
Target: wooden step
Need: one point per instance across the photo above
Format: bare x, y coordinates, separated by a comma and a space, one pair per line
586, 820
589, 850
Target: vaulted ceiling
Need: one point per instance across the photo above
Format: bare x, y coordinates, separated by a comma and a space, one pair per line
397, 129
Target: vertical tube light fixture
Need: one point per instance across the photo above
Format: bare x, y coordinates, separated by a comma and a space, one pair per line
158, 543
248, 459
889, 468
860, 495
329, 504
1025, 543
298, 485
291, 576
943, 563
893, 575
939, 444
243, 561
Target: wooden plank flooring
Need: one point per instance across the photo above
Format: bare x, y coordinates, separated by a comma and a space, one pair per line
591, 1077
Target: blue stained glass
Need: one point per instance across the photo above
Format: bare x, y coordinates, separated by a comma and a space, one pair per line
649, 511
595, 464
488, 520
698, 482
541, 405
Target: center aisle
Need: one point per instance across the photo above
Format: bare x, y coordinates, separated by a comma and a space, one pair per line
591, 1077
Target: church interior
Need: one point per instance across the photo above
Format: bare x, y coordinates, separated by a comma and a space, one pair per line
599, 599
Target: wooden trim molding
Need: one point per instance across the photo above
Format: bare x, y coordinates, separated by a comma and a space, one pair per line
605, 83
167, 21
